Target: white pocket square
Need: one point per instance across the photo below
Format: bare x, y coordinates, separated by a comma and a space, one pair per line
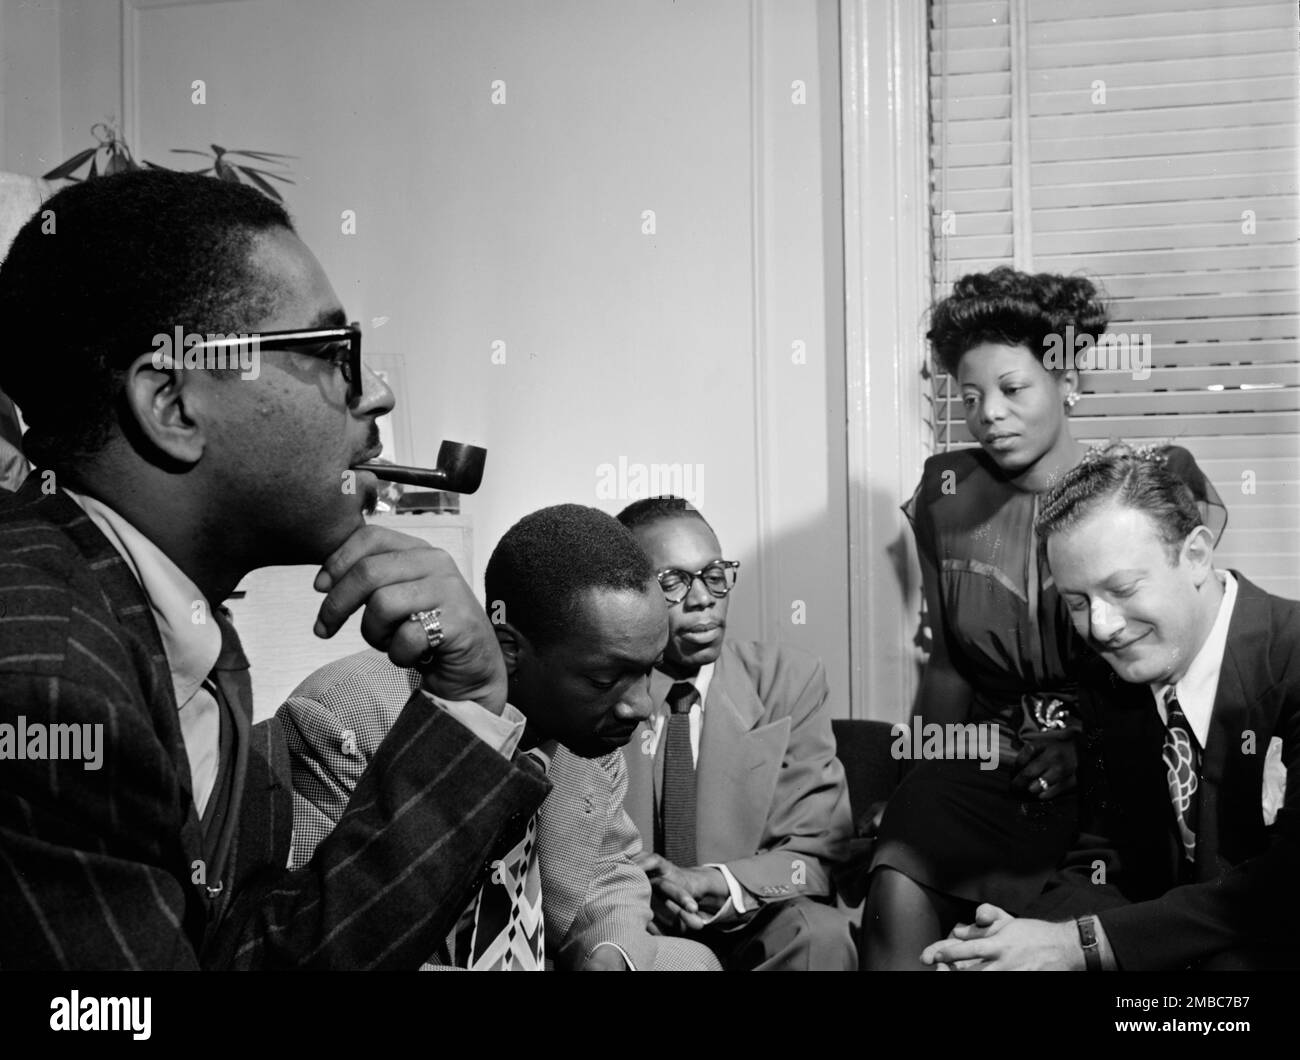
1274, 780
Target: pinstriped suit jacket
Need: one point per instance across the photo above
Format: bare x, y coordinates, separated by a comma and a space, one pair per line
592, 891
98, 867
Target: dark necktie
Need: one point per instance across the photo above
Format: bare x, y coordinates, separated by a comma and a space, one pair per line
1182, 756
678, 810
232, 688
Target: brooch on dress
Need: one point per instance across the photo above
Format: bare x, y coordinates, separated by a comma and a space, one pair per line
1049, 711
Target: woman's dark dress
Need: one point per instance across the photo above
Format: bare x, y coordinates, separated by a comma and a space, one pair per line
951, 825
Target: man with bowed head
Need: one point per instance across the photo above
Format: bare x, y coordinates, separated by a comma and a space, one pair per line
581, 623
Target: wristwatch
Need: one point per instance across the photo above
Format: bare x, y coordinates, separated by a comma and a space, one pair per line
1087, 926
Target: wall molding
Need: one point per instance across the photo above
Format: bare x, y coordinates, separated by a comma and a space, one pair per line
885, 107
130, 114
131, 11
768, 580
1022, 214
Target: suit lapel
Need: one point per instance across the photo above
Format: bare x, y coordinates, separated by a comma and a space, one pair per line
263, 832
640, 799
1229, 770
643, 779
738, 764
1122, 776
645, 764
122, 596
660, 685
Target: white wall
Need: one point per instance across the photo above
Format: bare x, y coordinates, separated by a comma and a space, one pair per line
30, 122
523, 223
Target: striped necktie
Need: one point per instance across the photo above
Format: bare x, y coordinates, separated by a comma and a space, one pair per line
677, 841
1182, 755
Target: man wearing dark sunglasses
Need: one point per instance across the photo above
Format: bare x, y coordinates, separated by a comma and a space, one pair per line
157, 488
733, 781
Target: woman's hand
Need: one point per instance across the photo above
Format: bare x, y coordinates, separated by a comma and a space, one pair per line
1047, 764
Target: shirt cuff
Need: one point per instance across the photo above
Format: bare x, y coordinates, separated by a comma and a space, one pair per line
735, 905
500, 732
1108, 960
544, 752
622, 953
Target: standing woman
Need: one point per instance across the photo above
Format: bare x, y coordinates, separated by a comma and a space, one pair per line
956, 832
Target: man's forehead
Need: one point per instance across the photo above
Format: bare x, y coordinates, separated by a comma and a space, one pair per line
680, 535
607, 618
1110, 539
303, 295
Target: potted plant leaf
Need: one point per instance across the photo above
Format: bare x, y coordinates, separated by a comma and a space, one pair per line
112, 155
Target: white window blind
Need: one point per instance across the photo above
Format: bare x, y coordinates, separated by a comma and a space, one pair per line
1156, 152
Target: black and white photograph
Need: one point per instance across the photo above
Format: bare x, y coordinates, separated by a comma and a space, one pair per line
655, 486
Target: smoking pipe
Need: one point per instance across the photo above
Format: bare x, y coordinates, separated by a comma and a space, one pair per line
459, 470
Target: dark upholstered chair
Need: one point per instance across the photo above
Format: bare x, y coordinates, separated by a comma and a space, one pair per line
872, 774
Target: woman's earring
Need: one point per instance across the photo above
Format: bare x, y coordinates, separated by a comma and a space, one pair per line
1071, 399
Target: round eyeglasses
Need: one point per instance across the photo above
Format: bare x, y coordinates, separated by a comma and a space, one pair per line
719, 577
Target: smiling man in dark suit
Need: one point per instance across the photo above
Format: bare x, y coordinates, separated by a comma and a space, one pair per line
1192, 857
159, 483
733, 781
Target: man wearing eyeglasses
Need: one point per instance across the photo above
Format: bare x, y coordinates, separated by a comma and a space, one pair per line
733, 781
144, 821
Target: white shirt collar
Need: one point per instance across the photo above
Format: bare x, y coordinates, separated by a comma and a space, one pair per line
1199, 686
191, 644
701, 680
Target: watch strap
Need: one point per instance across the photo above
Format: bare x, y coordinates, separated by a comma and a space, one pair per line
1087, 926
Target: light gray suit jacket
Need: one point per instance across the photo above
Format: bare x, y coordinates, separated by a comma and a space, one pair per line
592, 890
772, 803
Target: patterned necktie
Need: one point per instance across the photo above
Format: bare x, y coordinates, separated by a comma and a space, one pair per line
1182, 757
678, 809
502, 930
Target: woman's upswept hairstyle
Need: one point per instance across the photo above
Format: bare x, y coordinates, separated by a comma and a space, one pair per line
1016, 309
